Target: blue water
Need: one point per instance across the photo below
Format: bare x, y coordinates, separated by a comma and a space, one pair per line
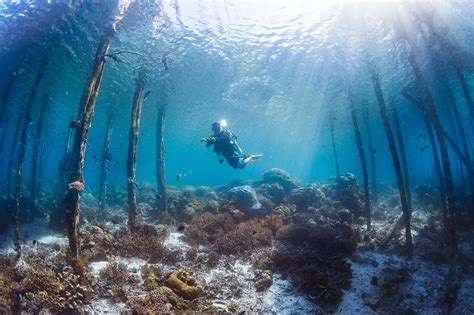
275, 70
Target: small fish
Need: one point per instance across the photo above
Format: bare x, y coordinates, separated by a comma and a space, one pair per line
109, 158
35, 242
107, 169
180, 176
423, 148
90, 187
181, 228
121, 145
147, 94
375, 151
158, 196
94, 157
117, 162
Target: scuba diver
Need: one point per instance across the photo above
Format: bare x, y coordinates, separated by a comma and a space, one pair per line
226, 146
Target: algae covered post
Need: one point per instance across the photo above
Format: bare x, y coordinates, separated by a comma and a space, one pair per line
104, 164
133, 149
76, 178
161, 201
363, 160
436, 160
22, 150
403, 155
396, 161
373, 171
428, 102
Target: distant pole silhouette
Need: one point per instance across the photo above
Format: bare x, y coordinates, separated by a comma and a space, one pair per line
36, 151
104, 164
331, 126
22, 152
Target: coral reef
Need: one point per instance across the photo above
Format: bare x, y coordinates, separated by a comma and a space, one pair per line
154, 302
306, 196
115, 275
346, 194
144, 241
203, 228
45, 288
281, 177
314, 255
244, 198
242, 237
7, 284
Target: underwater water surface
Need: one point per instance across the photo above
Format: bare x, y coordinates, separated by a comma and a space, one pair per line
360, 110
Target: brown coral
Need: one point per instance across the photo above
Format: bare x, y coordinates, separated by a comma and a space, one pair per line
139, 242
115, 276
154, 302
184, 285
7, 284
314, 255
240, 238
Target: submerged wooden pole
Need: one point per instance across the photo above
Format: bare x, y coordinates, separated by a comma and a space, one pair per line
76, 178
363, 161
396, 161
3, 108
133, 150
12, 152
22, 151
336, 161
428, 101
436, 160
403, 155
104, 164
465, 89
161, 200
373, 171
456, 149
36, 150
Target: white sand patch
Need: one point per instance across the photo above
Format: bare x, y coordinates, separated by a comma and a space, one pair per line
175, 241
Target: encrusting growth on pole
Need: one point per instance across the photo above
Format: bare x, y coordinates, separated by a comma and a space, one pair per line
76, 178
133, 150
396, 161
161, 201
363, 161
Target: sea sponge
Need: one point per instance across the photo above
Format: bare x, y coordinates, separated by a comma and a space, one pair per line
183, 284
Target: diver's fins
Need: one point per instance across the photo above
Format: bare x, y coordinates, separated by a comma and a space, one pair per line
252, 158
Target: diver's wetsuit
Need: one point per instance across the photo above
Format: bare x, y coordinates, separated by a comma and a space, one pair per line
225, 145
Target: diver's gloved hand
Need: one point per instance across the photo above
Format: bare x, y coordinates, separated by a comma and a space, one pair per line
204, 140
